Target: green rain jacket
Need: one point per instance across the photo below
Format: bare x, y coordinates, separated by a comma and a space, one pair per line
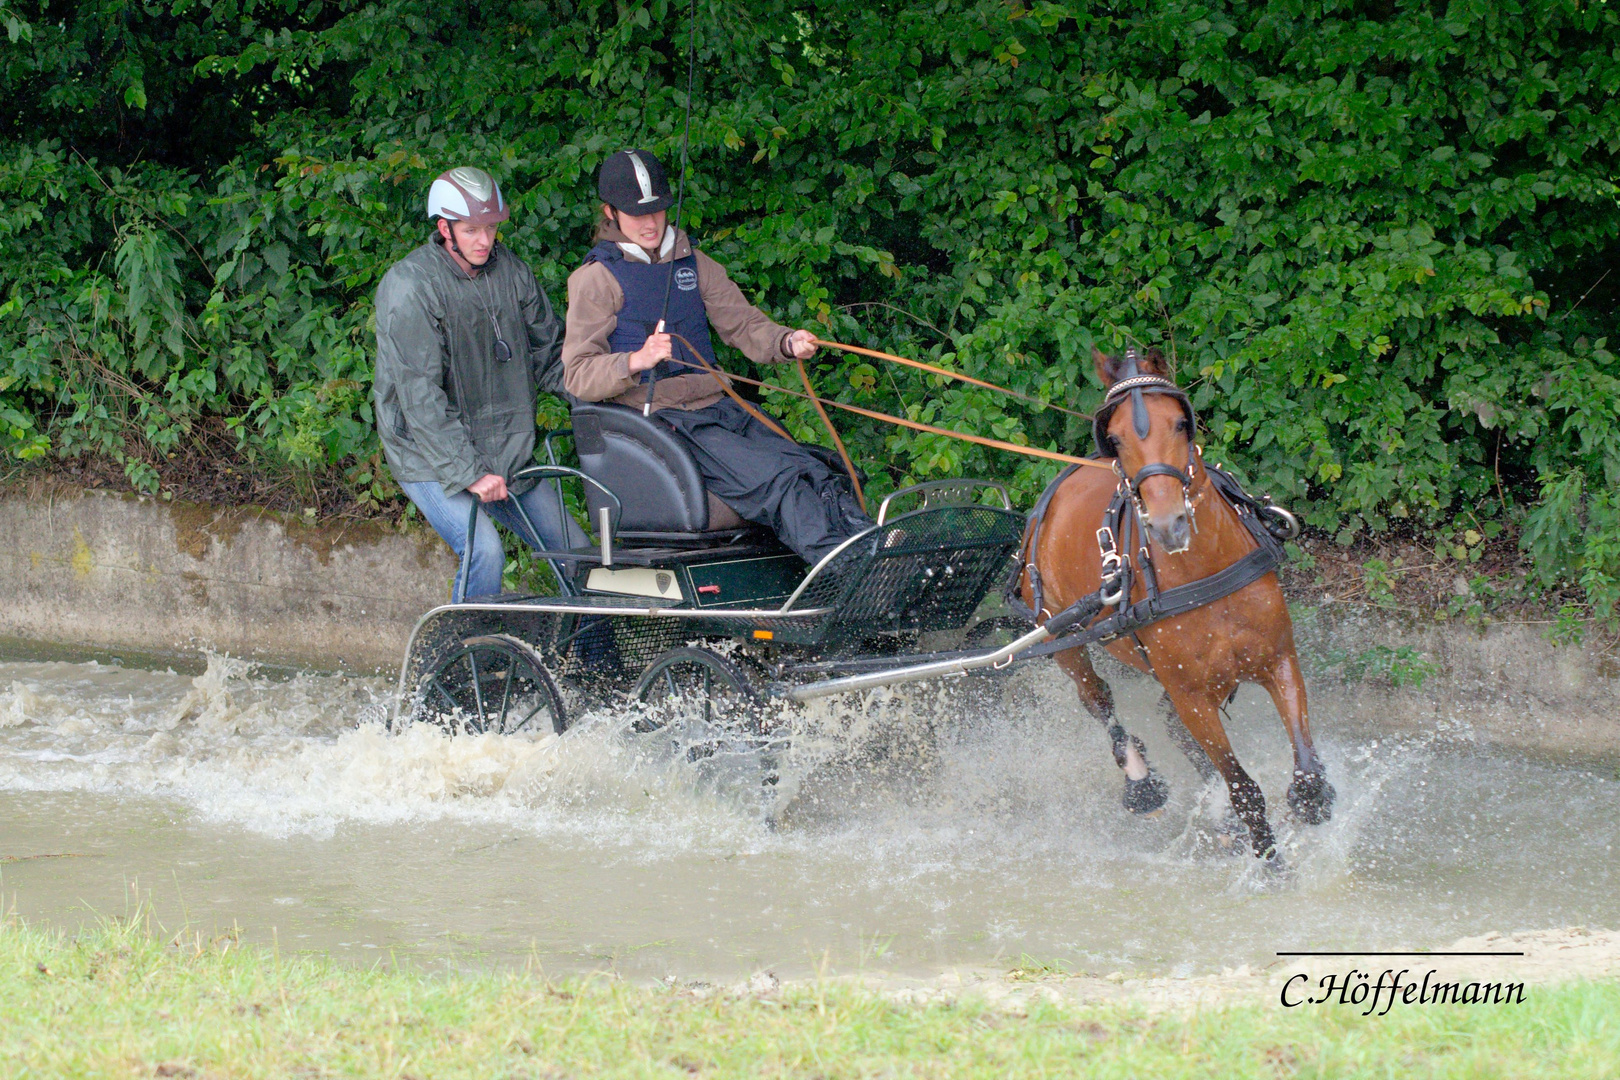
447, 409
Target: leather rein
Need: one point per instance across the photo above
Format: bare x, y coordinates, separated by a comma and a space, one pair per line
725, 379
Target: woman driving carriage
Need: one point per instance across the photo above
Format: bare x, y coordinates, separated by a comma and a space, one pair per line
643, 295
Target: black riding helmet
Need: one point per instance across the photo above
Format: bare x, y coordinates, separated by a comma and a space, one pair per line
633, 182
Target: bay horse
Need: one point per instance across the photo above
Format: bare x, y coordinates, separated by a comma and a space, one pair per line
1188, 531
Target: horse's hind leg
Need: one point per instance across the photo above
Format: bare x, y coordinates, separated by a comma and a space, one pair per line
1203, 720
1145, 790
1310, 795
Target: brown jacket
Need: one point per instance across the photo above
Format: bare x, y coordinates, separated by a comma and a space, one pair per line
593, 373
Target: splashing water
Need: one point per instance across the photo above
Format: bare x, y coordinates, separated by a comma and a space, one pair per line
972, 824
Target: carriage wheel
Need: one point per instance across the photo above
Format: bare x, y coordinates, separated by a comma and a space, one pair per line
493, 683
698, 675
710, 693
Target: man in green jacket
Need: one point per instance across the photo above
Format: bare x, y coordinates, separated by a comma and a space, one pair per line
465, 340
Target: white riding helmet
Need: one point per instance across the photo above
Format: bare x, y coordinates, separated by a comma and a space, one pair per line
467, 194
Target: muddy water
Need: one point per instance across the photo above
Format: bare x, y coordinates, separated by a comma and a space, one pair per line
971, 827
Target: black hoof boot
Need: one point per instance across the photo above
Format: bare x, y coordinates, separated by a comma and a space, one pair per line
1146, 795
1273, 867
1310, 797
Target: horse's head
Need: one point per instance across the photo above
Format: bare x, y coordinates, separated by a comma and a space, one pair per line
1147, 425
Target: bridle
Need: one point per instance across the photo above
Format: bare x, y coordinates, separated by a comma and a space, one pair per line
1135, 385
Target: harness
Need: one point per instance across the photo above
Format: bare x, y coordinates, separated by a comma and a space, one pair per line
1124, 528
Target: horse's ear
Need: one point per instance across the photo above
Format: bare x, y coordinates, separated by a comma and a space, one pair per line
1107, 366
1153, 361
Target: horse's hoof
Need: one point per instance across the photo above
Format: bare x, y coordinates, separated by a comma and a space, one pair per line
1272, 863
1232, 836
1147, 795
1310, 797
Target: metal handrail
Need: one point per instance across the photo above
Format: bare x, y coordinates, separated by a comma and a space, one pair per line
935, 485
539, 473
562, 503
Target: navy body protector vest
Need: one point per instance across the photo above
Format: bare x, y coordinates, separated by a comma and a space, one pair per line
643, 285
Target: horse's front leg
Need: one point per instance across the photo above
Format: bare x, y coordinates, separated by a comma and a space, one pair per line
1199, 711
1310, 795
1145, 790
1183, 739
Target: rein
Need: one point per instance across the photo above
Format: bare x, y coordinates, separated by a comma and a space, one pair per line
958, 376
1126, 513
900, 421
725, 384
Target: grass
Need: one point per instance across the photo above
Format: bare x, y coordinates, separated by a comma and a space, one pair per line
118, 1002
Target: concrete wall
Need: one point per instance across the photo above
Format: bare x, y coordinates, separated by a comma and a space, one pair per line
124, 572
1506, 685
119, 572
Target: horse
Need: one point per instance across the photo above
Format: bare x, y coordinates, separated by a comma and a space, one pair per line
1186, 532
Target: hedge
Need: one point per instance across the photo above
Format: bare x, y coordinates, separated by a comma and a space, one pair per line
1375, 237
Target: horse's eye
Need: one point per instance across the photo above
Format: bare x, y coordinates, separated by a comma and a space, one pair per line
1182, 427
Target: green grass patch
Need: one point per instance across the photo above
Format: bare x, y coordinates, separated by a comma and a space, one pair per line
119, 1002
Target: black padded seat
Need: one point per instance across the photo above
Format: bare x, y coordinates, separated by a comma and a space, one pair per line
652, 472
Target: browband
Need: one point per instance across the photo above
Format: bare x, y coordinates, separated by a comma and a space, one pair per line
1138, 382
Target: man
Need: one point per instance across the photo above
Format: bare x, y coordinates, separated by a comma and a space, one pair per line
616, 350
465, 339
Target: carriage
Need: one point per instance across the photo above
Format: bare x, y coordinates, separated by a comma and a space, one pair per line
682, 603
680, 600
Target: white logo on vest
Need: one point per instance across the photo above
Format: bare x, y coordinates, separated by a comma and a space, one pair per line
686, 278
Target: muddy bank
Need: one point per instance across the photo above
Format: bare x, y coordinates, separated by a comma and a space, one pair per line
1547, 957
114, 571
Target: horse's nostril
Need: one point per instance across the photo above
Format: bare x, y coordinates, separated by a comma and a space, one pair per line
1177, 534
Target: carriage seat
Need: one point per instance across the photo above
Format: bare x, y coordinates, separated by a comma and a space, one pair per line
652, 472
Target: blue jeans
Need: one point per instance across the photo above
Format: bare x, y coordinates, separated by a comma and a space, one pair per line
448, 516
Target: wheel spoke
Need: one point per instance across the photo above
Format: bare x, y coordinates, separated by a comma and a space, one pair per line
477, 687
439, 686
506, 693
682, 676
521, 724
525, 687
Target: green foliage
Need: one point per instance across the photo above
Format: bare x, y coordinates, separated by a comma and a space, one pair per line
1379, 582
1569, 628
1373, 236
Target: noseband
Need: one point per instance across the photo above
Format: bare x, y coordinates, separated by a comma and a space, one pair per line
1135, 385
